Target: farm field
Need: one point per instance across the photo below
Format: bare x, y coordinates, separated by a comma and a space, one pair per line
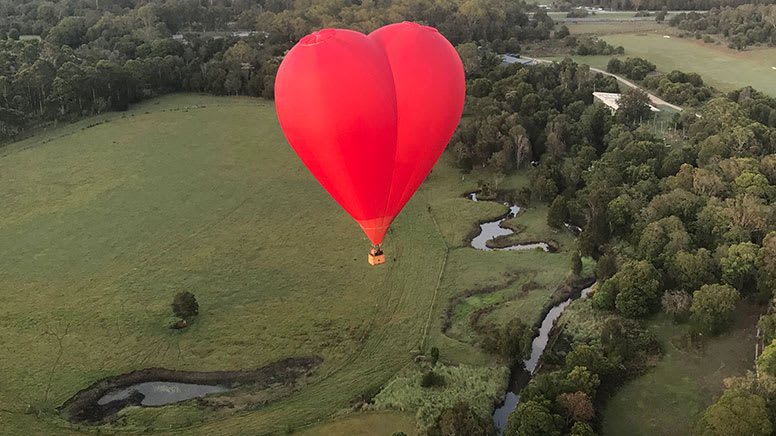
614, 27
104, 220
719, 66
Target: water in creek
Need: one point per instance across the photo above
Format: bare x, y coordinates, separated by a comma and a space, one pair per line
158, 393
493, 229
537, 349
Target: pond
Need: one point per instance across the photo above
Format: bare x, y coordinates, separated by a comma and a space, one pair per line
159, 393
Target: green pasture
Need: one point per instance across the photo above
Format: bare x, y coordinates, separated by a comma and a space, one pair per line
670, 398
719, 66
600, 28
104, 220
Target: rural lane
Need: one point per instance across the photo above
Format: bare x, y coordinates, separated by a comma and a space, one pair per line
657, 101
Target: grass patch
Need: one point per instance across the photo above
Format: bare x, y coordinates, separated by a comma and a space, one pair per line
477, 386
614, 27
670, 398
383, 423
105, 219
719, 66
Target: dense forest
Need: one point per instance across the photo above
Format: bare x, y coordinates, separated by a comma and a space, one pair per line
741, 27
104, 55
685, 227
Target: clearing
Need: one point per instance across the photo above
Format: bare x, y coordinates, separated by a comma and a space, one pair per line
105, 219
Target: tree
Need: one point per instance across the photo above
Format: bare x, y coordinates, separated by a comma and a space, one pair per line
637, 289
677, 304
185, 305
581, 429
582, 380
739, 267
13, 34
712, 307
70, 31
662, 239
591, 357
736, 413
578, 406
767, 360
470, 56
634, 106
558, 213
605, 267
766, 265
533, 418
690, 271
767, 325
480, 87
576, 263
461, 420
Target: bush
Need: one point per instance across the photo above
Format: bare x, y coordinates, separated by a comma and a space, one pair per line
185, 305
431, 379
434, 355
461, 420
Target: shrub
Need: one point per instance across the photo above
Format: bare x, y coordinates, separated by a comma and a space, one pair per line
431, 379
434, 355
185, 305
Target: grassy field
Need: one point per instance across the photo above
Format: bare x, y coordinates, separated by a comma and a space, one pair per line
104, 220
669, 399
614, 27
375, 423
718, 65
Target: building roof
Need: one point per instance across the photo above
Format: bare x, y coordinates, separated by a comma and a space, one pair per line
610, 99
510, 58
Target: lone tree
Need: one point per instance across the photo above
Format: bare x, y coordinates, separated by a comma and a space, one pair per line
185, 305
576, 263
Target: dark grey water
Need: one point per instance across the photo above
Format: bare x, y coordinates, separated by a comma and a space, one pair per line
493, 229
537, 349
489, 231
160, 393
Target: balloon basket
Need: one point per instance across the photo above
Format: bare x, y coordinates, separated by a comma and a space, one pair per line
376, 256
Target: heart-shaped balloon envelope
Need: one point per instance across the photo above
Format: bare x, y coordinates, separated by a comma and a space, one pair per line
370, 115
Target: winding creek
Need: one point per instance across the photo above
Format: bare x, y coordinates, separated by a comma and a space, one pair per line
488, 231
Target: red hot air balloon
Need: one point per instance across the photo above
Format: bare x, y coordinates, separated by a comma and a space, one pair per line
370, 115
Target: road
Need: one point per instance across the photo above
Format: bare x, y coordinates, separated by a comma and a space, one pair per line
656, 101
